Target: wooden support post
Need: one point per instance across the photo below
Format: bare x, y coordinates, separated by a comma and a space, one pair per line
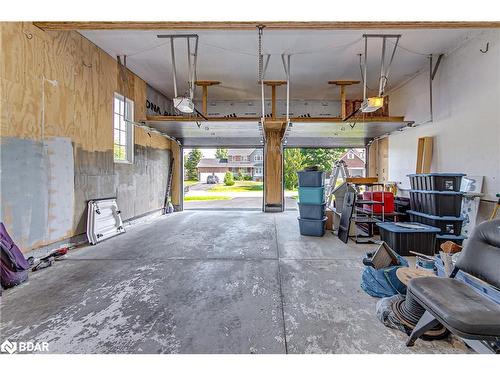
176, 176
204, 98
273, 165
273, 85
343, 84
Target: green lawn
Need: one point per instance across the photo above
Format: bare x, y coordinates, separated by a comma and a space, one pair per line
190, 182
206, 198
239, 186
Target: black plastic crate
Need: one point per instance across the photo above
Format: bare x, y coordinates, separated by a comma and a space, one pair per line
312, 211
436, 181
314, 228
442, 238
447, 224
403, 240
311, 178
437, 203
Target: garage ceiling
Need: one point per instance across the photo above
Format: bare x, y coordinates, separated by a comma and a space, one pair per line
230, 56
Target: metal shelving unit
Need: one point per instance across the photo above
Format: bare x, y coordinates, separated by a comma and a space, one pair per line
367, 217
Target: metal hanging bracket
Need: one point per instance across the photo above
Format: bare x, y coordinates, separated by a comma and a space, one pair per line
434, 70
285, 58
184, 103
385, 67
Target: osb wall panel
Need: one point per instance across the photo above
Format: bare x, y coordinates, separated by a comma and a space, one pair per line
77, 118
80, 105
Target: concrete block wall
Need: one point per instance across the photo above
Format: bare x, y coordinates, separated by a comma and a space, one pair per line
57, 140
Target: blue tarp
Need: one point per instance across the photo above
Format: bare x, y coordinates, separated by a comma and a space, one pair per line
383, 282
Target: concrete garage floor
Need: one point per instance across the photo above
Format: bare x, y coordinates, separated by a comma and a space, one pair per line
206, 282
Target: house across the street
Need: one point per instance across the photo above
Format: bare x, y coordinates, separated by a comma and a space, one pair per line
244, 161
355, 160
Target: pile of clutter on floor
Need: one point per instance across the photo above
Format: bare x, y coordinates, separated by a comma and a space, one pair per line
386, 276
14, 267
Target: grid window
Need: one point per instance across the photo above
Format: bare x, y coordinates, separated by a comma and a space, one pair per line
123, 130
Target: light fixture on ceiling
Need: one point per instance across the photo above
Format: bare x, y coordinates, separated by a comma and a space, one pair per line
372, 104
185, 105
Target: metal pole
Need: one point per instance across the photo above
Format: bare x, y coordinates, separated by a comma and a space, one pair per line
261, 74
430, 88
174, 71
288, 92
364, 68
195, 60
382, 69
190, 87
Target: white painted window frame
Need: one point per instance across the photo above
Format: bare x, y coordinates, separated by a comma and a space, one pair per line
127, 114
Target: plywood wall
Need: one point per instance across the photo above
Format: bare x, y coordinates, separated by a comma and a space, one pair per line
42, 122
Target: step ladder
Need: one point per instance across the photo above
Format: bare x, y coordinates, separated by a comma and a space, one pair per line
339, 169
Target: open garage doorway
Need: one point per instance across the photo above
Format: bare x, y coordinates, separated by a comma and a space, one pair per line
296, 159
223, 178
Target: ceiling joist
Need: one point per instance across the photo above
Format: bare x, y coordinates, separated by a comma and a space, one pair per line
284, 25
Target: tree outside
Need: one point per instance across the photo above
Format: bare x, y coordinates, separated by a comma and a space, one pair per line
191, 163
221, 153
296, 159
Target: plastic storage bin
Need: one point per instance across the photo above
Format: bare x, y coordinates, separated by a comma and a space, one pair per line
436, 181
377, 196
442, 238
437, 203
311, 178
403, 240
314, 228
447, 224
312, 211
311, 195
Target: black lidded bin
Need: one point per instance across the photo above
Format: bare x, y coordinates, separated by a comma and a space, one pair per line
403, 240
314, 228
442, 238
447, 224
436, 181
311, 178
312, 211
437, 203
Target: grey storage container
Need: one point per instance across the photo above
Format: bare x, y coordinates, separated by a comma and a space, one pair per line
437, 203
447, 224
311, 178
436, 181
403, 240
312, 211
310, 227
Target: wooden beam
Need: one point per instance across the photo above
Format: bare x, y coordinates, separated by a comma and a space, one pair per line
252, 25
343, 84
204, 99
273, 84
273, 164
